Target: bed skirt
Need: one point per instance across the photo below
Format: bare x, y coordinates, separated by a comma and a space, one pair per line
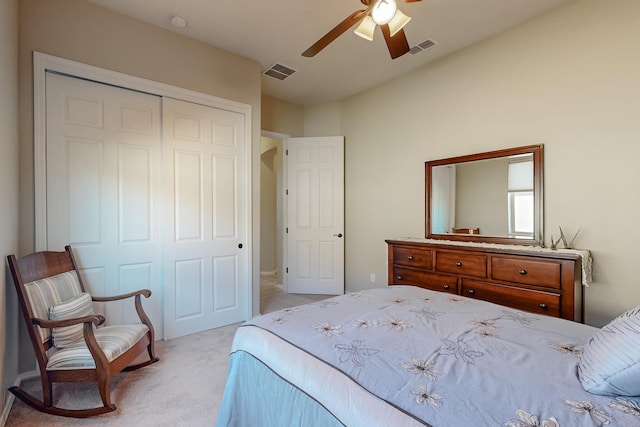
257, 396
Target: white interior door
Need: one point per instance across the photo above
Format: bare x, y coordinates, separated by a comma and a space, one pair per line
315, 215
103, 181
206, 256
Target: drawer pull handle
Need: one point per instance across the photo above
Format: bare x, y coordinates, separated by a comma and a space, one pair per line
458, 264
523, 272
399, 277
471, 291
446, 286
410, 258
544, 306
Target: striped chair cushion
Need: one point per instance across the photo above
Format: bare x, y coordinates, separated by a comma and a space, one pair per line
78, 306
53, 290
610, 362
114, 340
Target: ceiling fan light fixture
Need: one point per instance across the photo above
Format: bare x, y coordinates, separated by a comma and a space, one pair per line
383, 11
366, 28
398, 22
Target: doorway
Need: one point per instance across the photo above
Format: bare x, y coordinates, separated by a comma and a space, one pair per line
292, 258
272, 211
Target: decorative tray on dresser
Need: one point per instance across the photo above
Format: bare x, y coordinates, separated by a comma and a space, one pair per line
534, 279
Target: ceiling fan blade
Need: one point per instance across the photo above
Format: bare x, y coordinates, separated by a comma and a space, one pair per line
349, 22
397, 44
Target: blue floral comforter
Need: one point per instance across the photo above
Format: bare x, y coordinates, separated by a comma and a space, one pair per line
446, 360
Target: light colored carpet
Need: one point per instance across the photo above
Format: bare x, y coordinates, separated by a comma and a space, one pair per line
183, 389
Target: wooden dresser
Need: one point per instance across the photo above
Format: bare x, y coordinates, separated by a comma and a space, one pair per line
543, 281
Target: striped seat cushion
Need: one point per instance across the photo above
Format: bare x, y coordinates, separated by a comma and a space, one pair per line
114, 340
78, 306
53, 290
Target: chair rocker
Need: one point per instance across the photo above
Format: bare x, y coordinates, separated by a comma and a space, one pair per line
68, 343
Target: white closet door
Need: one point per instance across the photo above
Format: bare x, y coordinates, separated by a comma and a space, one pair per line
205, 229
103, 184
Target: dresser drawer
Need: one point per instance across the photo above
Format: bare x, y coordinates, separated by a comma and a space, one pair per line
523, 299
461, 263
434, 282
412, 257
537, 272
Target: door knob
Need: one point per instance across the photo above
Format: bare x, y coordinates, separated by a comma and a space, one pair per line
338, 235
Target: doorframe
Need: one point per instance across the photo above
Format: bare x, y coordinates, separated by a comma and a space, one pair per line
43, 62
283, 188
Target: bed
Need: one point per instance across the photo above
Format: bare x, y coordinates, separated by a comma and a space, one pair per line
406, 356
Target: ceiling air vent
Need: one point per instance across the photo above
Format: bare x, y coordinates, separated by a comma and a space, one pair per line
423, 46
279, 71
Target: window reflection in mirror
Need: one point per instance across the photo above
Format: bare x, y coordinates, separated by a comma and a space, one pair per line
494, 196
520, 196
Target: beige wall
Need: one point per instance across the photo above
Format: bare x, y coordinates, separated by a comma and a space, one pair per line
86, 33
9, 189
322, 119
295, 120
282, 117
568, 79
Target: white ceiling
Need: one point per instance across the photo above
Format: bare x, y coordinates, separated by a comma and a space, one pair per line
278, 31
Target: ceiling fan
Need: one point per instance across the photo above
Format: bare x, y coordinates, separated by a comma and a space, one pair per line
383, 13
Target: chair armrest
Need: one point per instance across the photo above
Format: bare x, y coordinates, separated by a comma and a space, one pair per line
96, 319
144, 292
137, 303
88, 335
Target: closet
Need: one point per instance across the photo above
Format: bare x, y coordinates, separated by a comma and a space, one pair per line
152, 192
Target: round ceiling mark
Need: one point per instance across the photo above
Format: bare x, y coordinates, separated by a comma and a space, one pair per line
178, 21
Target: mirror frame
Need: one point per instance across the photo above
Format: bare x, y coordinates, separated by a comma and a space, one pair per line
538, 196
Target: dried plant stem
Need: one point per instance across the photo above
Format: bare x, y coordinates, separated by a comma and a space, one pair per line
569, 244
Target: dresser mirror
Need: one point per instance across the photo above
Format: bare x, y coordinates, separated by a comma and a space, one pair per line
493, 197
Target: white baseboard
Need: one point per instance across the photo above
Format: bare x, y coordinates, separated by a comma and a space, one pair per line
8, 403
269, 273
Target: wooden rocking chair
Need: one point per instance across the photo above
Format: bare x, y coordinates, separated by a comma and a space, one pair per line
64, 331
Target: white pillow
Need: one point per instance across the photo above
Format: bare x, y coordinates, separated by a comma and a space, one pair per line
78, 306
610, 363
